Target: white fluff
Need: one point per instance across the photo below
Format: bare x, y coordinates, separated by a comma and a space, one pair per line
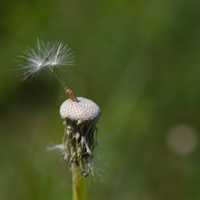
60, 147
46, 57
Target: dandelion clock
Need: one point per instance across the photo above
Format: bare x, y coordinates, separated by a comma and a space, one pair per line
80, 114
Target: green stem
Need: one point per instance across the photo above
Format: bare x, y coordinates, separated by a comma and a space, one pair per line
78, 183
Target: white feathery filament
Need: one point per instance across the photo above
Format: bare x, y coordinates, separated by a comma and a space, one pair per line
50, 58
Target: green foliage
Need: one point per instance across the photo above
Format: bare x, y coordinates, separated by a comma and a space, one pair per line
139, 61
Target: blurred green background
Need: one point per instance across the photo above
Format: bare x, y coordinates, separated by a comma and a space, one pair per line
140, 62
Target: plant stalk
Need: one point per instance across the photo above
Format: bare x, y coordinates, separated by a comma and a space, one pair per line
78, 183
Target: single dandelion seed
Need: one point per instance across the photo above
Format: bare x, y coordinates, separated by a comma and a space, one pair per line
48, 58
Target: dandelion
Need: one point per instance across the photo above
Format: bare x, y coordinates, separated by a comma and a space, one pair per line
80, 114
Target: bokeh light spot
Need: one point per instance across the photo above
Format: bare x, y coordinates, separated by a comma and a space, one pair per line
182, 139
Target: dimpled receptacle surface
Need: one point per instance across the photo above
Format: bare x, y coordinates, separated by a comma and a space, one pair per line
84, 110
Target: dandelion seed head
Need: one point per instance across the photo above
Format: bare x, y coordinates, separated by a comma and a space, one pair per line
80, 136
